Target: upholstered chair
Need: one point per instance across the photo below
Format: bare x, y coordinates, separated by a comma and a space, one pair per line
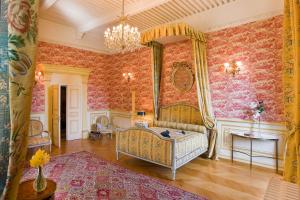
37, 136
103, 125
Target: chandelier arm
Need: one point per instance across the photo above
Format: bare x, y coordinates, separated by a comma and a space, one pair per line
123, 8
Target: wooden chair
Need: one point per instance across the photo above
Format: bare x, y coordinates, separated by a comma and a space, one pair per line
37, 136
103, 125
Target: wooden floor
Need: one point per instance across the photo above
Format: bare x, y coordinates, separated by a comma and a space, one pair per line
214, 179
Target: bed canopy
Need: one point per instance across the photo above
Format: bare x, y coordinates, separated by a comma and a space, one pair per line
151, 39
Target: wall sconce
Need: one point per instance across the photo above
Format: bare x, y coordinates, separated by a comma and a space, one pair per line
127, 76
39, 76
233, 68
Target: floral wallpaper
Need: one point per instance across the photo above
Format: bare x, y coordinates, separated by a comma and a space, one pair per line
58, 54
258, 45
4, 104
139, 64
180, 51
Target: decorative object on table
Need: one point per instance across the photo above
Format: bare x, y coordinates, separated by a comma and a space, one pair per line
182, 76
111, 181
233, 68
38, 160
257, 109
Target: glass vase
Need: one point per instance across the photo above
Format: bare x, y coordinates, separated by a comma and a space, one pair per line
40, 183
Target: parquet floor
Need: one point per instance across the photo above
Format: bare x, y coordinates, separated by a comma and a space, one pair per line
217, 180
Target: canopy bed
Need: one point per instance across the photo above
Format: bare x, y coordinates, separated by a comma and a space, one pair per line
190, 130
173, 152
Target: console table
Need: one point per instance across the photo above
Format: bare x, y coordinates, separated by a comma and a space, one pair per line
251, 138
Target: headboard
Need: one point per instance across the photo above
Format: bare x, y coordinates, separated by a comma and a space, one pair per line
180, 113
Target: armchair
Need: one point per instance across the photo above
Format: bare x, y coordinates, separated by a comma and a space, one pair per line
104, 126
37, 137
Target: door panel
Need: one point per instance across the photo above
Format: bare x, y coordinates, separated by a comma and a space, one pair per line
74, 115
55, 90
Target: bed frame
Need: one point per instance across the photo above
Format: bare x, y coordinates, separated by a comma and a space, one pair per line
146, 145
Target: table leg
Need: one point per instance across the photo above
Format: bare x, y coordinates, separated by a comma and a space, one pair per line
276, 152
232, 148
250, 153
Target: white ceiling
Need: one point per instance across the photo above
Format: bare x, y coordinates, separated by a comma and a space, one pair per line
92, 17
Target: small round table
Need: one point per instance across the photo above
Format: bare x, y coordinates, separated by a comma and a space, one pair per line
252, 137
26, 191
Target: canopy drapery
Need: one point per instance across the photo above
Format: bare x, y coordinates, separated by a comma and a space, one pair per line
291, 86
22, 35
201, 72
177, 29
156, 56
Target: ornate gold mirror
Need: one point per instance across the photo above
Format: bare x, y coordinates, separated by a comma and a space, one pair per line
182, 76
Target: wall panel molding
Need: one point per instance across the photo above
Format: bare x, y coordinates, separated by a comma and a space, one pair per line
263, 148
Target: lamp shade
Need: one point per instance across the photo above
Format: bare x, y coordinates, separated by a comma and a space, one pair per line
141, 113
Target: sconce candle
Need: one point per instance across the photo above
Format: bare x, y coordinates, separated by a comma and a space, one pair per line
127, 76
38, 76
233, 68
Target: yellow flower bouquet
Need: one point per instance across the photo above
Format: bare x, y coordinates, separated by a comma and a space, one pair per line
38, 160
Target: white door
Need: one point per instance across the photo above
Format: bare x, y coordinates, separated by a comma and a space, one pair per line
74, 113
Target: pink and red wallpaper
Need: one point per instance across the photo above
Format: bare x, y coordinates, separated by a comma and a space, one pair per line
98, 97
257, 45
176, 52
139, 64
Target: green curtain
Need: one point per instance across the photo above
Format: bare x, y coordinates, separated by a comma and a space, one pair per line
291, 88
157, 56
203, 93
4, 103
22, 35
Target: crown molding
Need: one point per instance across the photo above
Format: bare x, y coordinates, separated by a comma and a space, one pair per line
77, 46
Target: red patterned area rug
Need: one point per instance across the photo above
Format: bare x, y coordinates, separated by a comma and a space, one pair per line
83, 176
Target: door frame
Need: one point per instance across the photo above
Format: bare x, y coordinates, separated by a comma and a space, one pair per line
51, 71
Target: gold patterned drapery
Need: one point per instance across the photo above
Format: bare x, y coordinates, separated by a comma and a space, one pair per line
22, 36
156, 57
169, 30
291, 82
201, 71
203, 94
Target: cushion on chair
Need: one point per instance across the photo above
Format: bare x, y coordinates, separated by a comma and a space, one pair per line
33, 141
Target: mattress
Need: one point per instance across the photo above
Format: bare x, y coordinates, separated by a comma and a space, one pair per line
185, 144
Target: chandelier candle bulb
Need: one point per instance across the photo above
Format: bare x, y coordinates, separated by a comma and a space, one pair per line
122, 37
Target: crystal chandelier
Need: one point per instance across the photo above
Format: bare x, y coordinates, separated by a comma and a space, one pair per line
122, 37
